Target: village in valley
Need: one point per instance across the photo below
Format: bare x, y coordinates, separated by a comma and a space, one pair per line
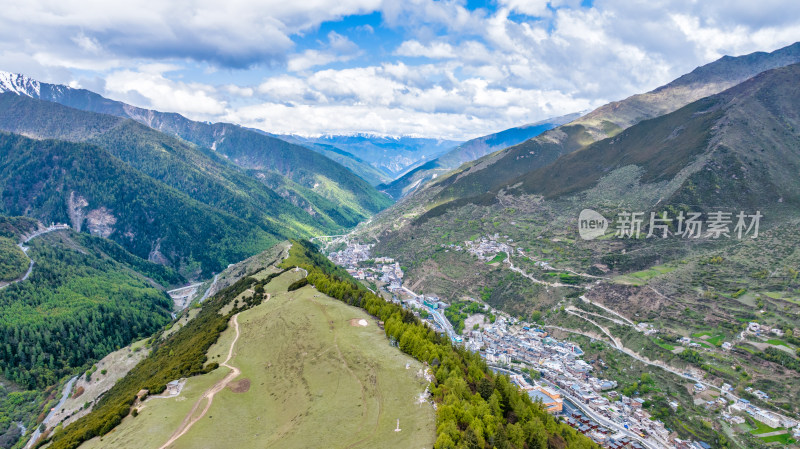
551, 371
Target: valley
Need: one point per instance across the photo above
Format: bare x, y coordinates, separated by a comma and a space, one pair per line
520, 344
391, 228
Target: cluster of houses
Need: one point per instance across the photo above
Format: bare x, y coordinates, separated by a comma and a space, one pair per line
487, 247
384, 269
564, 373
351, 255
759, 330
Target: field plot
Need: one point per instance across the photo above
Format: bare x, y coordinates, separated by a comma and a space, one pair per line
312, 375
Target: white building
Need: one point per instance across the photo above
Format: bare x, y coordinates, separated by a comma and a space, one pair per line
767, 418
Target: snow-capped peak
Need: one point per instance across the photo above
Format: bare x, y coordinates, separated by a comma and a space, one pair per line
19, 84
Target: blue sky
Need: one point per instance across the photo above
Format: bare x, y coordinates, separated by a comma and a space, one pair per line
449, 69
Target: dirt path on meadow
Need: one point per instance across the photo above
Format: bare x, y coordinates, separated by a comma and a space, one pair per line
208, 396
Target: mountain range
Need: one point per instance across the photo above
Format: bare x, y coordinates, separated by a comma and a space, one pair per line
249, 149
239, 194
391, 156
607, 121
469, 151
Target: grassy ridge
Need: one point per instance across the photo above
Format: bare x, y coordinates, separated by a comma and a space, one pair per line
305, 362
476, 408
182, 354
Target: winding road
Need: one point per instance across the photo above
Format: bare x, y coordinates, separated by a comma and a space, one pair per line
658, 364
24, 249
597, 304
190, 420
64, 395
533, 279
210, 288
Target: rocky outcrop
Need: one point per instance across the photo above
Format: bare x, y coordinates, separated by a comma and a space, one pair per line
101, 222
75, 210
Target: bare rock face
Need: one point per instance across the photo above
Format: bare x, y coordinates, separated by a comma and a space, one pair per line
101, 222
156, 256
75, 210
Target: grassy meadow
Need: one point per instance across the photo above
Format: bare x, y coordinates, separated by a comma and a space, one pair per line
315, 380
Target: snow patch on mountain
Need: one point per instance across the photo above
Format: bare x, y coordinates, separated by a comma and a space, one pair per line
19, 84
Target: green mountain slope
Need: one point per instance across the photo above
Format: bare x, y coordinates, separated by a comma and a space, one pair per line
84, 185
201, 173
248, 148
85, 297
352, 162
13, 262
307, 168
80, 303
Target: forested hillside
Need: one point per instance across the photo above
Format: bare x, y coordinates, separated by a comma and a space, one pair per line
85, 298
13, 262
266, 198
84, 185
247, 148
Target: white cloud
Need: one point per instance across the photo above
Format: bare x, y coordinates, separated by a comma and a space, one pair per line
87, 43
240, 34
434, 50
338, 49
239, 91
151, 89
537, 8
480, 71
390, 99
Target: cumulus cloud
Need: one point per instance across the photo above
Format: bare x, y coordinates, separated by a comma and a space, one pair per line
394, 99
338, 49
536, 8
436, 50
444, 71
149, 88
238, 35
